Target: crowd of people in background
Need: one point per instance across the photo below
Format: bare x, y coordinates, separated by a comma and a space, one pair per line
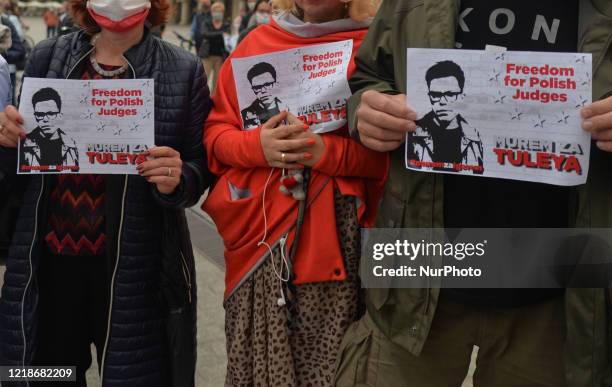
215, 37
14, 51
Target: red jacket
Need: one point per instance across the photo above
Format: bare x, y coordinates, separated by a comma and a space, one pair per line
236, 157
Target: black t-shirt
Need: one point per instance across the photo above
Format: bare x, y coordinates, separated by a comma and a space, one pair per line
447, 145
518, 25
51, 152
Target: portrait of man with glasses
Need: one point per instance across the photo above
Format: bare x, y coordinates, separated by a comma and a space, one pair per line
444, 135
47, 148
262, 78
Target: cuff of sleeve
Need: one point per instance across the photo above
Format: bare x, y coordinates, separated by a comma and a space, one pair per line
175, 199
252, 147
328, 163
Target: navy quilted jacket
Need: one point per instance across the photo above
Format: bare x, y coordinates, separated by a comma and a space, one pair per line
151, 328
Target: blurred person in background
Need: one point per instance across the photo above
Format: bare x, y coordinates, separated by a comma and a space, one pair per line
12, 12
15, 55
242, 11
213, 50
199, 18
261, 16
5, 85
106, 260
262, 13
250, 9
285, 329
51, 21
66, 24
5, 39
232, 40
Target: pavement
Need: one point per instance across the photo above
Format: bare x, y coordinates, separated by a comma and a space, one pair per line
208, 249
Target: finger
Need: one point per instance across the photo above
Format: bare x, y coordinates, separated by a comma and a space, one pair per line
395, 106
12, 130
596, 108
292, 145
8, 142
373, 131
275, 121
384, 121
13, 114
295, 157
605, 146
293, 120
160, 172
598, 123
163, 162
604, 135
10, 137
11, 127
285, 131
163, 151
380, 146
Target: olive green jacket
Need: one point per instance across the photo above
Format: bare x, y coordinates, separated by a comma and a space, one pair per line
414, 199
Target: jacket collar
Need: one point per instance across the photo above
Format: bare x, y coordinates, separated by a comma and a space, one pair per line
288, 22
138, 56
603, 6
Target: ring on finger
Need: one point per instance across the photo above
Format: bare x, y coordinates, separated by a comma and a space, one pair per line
169, 172
283, 156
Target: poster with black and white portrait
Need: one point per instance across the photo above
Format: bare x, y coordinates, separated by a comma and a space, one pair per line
85, 126
310, 82
496, 113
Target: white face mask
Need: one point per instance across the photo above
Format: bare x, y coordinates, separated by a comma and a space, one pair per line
251, 6
117, 10
262, 17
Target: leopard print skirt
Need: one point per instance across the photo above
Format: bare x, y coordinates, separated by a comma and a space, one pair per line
265, 349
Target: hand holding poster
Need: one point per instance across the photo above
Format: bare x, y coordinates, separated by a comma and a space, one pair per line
512, 115
91, 126
310, 82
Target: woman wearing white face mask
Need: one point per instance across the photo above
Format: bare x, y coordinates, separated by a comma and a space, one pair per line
106, 259
213, 50
250, 9
261, 16
263, 9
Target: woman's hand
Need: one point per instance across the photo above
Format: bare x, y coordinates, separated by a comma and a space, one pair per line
280, 142
164, 170
314, 152
10, 127
598, 120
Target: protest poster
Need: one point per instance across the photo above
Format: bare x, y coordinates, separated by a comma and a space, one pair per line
310, 82
85, 126
503, 114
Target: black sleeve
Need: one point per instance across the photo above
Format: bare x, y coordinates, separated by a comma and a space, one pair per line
196, 177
